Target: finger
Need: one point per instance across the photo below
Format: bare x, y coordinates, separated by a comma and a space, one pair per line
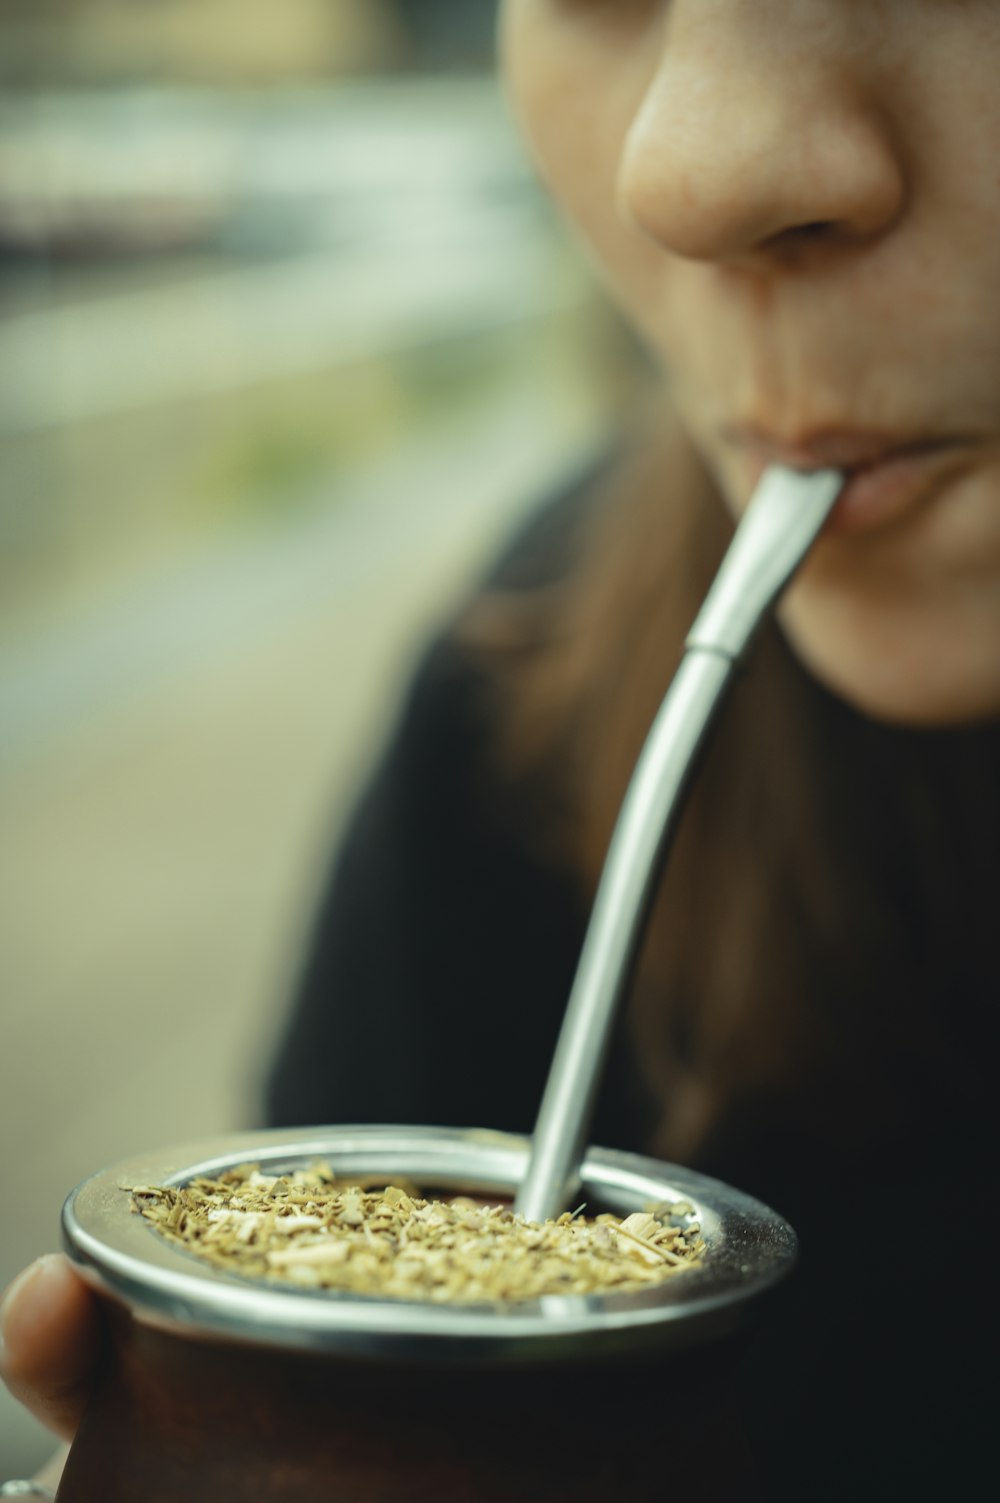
51, 1339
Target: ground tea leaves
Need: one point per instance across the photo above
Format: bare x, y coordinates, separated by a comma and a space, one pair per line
315, 1231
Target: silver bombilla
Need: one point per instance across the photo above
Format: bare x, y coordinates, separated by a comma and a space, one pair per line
782, 522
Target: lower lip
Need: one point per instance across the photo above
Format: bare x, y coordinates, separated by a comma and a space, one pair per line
881, 493
877, 495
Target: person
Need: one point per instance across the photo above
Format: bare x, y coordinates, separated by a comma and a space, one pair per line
796, 204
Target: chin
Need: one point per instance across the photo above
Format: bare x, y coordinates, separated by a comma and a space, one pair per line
913, 695
896, 639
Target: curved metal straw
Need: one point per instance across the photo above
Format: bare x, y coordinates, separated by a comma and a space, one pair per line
781, 524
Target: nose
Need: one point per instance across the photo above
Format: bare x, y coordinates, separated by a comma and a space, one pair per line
739, 151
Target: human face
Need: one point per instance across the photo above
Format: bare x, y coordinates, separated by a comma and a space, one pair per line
797, 202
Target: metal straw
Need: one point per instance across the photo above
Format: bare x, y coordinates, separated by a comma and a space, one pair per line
781, 524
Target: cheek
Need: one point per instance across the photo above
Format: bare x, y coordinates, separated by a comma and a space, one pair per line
553, 97
575, 88
574, 85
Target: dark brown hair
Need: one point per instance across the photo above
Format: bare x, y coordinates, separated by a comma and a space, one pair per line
832, 884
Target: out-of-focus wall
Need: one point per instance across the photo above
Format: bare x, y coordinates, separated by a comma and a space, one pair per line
241, 42
287, 346
219, 42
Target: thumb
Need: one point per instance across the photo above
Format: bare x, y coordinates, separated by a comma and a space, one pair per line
50, 1330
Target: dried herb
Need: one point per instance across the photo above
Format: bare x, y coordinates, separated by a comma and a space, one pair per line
312, 1230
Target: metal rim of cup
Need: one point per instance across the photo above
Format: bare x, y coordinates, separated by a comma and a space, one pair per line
749, 1249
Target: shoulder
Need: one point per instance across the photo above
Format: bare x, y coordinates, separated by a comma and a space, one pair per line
545, 546
448, 714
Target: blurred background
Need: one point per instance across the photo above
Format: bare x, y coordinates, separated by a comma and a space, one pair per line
289, 342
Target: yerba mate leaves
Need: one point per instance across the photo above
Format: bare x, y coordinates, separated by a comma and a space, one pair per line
311, 1230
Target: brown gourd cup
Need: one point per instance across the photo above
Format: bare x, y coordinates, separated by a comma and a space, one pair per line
218, 1387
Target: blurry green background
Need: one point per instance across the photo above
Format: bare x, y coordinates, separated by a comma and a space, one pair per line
289, 340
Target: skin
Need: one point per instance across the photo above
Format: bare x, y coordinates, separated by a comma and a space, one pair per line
50, 1342
797, 202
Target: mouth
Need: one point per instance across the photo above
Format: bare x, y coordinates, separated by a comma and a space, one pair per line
886, 476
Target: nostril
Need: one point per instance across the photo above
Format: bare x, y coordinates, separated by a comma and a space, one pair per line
800, 236
817, 229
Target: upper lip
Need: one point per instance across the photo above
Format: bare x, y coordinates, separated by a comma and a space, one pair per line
841, 449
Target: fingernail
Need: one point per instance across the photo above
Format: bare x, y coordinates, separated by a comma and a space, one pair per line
38, 1268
